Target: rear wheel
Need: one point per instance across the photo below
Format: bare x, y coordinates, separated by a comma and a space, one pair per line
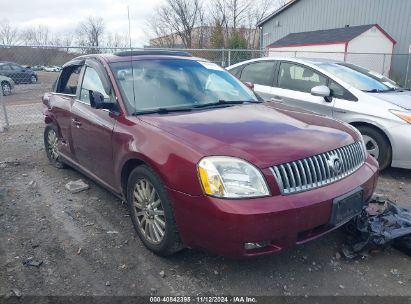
377, 145
6, 88
151, 212
33, 79
51, 145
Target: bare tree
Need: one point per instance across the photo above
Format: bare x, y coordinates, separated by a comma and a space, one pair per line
90, 32
178, 17
8, 33
260, 10
115, 41
37, 35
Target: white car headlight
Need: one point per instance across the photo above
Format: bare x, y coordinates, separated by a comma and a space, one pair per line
231, 177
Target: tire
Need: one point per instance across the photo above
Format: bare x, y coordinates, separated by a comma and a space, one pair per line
51, 146
377, 145
33, 79
6, 88
152, 209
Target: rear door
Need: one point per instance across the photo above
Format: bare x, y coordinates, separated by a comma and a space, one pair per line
61, 102
261, 74
293, 86
19, 73
92, 129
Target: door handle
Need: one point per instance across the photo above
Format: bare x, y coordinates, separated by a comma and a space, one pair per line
76, 122
340, 111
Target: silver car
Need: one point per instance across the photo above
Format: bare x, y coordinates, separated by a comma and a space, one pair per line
374, 104
6, 84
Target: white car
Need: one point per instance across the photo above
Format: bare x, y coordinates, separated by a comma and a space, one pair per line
374, 104
52, 69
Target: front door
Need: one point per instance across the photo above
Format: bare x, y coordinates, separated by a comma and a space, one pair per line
260, 73
92, 129
294, 85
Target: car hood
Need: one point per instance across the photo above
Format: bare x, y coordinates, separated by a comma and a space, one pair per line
401, 99
264, 134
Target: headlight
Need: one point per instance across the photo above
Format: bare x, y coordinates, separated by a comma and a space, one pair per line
403, 115
230, 177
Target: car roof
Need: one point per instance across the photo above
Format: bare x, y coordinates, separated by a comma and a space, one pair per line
314, 61
142, 55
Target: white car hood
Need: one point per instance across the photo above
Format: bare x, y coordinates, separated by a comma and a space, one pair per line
401, 99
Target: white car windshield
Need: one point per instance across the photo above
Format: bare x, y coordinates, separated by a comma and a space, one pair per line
175, 84
360, 78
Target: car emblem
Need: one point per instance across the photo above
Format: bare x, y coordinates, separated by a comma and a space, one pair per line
335, 164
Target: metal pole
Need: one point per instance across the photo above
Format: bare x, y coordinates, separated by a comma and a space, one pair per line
383, 65
406, 74
229, 57
3, 104
222, 59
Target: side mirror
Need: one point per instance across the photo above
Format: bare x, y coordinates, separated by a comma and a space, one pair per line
97, 101
249, 85
322, 91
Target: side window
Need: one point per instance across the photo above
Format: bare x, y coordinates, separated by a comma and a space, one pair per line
6, 67
336, 89
68, 81
298, 78
16, 67
259, 73
91, 82
236, 71
339, 92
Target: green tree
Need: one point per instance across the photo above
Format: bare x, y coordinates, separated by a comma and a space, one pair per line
237, 41
217, 36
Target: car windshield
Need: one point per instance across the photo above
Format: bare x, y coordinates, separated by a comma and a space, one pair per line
360, 78
150, 85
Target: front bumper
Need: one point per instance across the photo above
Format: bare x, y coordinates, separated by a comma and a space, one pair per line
401, 146
223, 226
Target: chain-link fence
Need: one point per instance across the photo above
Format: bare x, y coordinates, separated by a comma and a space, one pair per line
27, 72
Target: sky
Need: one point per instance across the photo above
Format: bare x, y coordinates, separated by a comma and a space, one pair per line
63, 16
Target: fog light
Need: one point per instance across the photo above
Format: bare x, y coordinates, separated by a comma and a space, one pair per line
250, 246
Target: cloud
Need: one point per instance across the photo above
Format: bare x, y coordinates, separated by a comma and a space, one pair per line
63, 16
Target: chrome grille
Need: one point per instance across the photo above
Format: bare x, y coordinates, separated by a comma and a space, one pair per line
319, 170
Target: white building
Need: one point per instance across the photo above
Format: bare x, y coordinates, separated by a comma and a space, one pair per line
362, 45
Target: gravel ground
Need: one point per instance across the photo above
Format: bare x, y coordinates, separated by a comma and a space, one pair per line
87, 244
32, 93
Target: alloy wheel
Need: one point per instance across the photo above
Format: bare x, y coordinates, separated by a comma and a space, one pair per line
372, 146
149, 211
52, 145
33, 79
6, 89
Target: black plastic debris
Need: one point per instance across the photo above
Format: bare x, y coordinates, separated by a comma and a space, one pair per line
31, 263
380, 224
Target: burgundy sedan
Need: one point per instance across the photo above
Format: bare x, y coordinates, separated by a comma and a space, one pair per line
201, 162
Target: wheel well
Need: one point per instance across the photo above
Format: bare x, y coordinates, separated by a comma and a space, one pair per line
5, 81
126, 170
364, 124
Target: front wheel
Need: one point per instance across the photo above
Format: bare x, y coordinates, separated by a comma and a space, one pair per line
6, 88
151, 212
377, 145
51, 145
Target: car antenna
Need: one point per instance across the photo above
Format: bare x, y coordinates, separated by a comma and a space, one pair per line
131, 52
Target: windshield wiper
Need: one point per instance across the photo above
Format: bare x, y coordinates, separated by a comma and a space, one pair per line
161, 111
379, 91
222, 102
